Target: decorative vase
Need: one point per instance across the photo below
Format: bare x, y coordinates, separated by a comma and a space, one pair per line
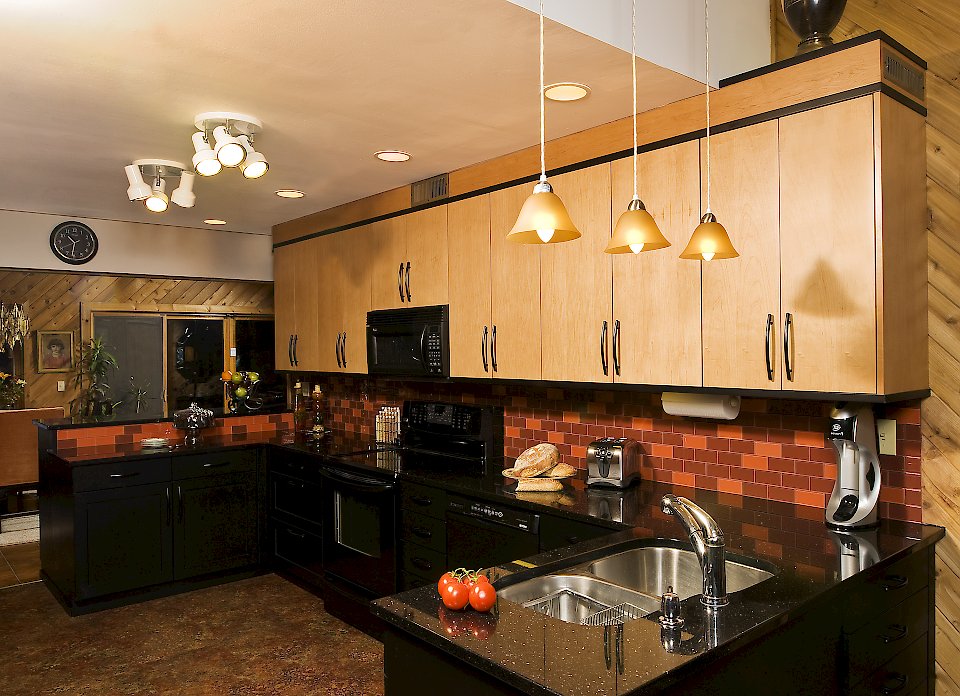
813, 21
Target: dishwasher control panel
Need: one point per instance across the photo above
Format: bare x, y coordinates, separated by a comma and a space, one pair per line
492, 512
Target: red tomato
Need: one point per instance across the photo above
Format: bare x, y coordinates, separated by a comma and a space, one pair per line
482, 578
455, 595
445, 580
483, 596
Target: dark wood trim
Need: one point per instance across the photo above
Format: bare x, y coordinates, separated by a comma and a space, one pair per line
835, 48
112, 274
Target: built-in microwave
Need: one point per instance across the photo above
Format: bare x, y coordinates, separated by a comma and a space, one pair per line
409, 342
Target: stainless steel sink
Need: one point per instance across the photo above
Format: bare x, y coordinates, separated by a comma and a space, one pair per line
654, 568
580, 599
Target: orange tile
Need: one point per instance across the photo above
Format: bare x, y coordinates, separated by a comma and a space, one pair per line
809, 439
662, 450
813, 499
733, 432
571, 417
755, 531
555, 437
728, 486
682, 479
578, 452
695, 441
534, 424
753, 461
768, 449
643, 424
511, 431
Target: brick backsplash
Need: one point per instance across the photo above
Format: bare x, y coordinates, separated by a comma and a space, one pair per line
774, 450
107, 435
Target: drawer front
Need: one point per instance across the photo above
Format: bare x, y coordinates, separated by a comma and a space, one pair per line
425, 531
888, 634
886, 590
195, 465
557, 532
298, 548
422, 561
99, 477
411, 581
904, 674
424, 500
295, 498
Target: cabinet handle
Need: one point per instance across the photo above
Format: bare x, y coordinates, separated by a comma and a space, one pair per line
897, 632
616, 347
766, 347
409, 299
290, 350
573, 539
343, 350
180, 503
400, 281
169, 507
894, 582
422, 533
296, 340
422, 563
787, 330
420, 500
339, 361
493, 349
603, 348
483, 349
296, 535
895, 682
209, 465
123, 476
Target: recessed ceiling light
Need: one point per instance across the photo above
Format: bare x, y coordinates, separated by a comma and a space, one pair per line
290, 193
392, 155
215, 222
566, 91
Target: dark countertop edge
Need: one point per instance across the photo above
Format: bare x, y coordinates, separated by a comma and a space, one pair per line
160, 453
68, 424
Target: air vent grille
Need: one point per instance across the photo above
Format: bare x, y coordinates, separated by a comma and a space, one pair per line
433, 189
903, 74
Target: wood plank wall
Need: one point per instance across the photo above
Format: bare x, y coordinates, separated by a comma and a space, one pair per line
53, 303
930, 28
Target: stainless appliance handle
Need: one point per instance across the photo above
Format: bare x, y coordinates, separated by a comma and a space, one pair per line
290, 350
603, 349
296, 340
339, 361
409, 299
356, 481
400, 281
616, 347
787, 330
493, 349
483, 349
766, 348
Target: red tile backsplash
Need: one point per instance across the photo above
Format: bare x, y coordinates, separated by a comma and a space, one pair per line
774, 450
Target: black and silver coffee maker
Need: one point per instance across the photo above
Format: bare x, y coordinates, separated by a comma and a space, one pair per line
853, 432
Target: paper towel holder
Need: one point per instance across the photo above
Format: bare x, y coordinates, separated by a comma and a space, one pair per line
715, 406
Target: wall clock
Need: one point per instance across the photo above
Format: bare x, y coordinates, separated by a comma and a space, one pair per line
74, 243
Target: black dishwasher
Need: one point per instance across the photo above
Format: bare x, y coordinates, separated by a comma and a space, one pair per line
482, 534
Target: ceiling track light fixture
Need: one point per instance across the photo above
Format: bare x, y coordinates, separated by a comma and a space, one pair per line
543, 218
232, 136
636, 230
158, 172
710, 240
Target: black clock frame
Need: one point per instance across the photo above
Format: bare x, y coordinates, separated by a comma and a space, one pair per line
86, 228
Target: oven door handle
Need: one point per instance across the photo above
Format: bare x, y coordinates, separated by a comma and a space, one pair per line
356, 482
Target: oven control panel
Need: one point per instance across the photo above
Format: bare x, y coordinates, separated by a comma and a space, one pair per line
450, 417
492, 512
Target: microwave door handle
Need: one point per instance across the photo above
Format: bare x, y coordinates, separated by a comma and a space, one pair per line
423, 345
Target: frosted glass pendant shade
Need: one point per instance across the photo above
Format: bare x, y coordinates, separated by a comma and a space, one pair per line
543, 219
636, 231
709, 242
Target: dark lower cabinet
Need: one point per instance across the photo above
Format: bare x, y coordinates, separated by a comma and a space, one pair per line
124, 539
298, 552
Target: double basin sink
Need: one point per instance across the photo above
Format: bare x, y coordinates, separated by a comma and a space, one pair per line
625, 585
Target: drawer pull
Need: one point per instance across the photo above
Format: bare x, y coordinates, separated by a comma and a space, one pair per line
120, 476
420, 500
895, 683
573, 539
894, 582
211, 464
422, 563
422, 533
897, 632
297, 535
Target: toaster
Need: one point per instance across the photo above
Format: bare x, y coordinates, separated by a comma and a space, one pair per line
613, 462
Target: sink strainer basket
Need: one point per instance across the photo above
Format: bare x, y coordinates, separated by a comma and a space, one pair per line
574, 607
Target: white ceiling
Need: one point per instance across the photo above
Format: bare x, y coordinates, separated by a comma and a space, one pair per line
87, 87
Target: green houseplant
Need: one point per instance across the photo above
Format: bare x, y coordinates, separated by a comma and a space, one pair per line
94, 362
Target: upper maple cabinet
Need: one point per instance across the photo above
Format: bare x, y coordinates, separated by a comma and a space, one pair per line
409, 259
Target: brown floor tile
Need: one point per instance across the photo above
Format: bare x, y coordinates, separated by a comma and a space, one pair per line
7, 576
24, 559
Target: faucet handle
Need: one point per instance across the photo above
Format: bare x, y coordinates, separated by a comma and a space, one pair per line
670, 609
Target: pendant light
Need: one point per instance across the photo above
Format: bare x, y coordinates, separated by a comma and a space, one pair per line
636, 230
710, 240
543, 218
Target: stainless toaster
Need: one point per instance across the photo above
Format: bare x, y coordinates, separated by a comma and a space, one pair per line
613, 462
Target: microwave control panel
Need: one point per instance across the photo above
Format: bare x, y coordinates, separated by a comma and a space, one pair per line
434, 351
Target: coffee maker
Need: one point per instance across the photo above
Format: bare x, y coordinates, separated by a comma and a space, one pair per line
853, 433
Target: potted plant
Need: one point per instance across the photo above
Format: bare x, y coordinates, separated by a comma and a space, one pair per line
93, 363
11, 389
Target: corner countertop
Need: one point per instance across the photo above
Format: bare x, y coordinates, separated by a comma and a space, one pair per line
71, 422
79, 456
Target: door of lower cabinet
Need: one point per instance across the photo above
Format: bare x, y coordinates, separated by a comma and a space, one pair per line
217, 523
468, 233
124, 539
284, 304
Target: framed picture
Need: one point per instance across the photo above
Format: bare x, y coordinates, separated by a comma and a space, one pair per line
54, 351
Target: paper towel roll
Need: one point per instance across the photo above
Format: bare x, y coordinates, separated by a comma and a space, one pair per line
718, 406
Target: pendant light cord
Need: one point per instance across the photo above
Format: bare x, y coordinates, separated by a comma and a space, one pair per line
706, 31
543, 159
633, 66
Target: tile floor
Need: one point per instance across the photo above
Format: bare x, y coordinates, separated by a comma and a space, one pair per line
19, 564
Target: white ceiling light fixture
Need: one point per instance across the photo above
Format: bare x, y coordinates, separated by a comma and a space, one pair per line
255, 164
158, 172
392, 155
226, 129
205, 160
566, 91
290, 193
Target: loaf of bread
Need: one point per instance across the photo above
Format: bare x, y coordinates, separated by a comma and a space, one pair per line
539, 484
561, 471
537, 459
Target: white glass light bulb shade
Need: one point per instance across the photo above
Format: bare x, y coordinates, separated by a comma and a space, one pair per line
205, 160
255, 164
545, 235
183, 195
138, 189
228, 149
636, 248
158, 201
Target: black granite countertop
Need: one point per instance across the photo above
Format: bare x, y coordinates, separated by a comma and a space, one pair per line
71, 422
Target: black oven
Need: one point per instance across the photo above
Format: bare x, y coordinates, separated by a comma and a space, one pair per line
410, 342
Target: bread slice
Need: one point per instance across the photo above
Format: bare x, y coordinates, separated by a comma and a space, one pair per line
535, 484
537, 459
561, 470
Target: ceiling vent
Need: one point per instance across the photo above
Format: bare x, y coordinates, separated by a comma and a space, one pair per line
433, 189
903, 74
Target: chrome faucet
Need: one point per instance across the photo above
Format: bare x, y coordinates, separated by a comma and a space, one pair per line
707, 539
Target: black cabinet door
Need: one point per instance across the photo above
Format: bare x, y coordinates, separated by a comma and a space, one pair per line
217, 524
124, 539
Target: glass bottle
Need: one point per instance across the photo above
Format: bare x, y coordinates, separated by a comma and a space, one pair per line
299, 409
318, 427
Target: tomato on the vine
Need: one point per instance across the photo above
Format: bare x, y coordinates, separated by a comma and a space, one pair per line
445, 580
455, 595
483, 596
